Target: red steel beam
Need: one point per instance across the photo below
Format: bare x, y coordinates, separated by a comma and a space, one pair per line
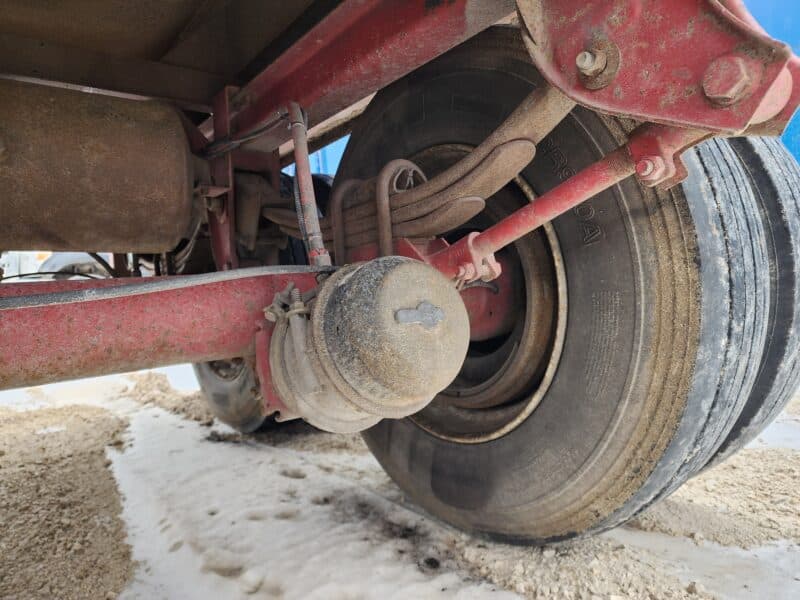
359, 48
222, 223
64, 330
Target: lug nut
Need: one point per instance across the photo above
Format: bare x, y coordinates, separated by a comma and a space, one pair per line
591, 64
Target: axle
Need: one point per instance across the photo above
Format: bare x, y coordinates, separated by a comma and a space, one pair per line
374, 340
68, 329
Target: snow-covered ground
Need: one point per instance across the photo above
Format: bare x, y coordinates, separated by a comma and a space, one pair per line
212, 514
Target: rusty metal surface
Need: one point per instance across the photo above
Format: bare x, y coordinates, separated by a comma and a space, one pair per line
366, 45
386, 185
32, 58
531, 121
252, 192
691, 63
272, 401
776, 125
178, 49
86, 172
225, 36
307, 209
222, 220
301, 381
652, 153
336, 218
472, 257
74, 328
450, 199
143, 29
491, 308
494, 307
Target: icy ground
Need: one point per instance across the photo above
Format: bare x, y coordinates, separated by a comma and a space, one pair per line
212, 514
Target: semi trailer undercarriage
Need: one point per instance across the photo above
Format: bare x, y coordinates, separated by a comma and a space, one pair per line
554, 276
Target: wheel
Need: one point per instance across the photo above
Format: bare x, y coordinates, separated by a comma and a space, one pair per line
231, 388
639, 315
775, 178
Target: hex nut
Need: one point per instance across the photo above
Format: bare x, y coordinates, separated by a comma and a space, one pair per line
727, 80
651, 169
591, 63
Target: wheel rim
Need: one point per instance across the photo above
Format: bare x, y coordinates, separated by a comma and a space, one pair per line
504, 379
227, 370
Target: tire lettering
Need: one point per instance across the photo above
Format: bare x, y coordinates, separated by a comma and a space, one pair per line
591, 232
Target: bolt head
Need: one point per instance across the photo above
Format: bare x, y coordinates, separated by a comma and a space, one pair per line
591, 63
727, 80
651, 168
645, 167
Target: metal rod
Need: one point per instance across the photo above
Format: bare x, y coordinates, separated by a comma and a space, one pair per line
383, 189
588, 183
309, 217
596, 178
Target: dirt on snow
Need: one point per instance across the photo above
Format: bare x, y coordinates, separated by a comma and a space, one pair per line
63, 532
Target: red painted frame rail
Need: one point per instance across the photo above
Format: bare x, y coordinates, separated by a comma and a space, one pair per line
359, 48
63, 330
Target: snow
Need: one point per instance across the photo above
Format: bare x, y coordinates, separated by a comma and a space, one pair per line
220, 520
240, 518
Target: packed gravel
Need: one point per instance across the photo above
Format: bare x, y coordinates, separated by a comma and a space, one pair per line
61, 535
747, 501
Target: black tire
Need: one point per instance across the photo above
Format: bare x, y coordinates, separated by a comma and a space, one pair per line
666, 303
775, 178
232, 392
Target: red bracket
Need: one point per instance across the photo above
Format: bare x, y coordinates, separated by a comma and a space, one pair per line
222, 220
272, 402
690, 63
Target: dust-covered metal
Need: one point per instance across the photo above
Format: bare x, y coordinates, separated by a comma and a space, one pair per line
445, 202
386, 185
222, 215
84, 172
357, 49
380, 340
306, 203
69, 329
253, 192
692, 63
653, 152
425, 314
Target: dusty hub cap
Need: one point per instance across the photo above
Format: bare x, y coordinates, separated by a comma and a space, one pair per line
384, 338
